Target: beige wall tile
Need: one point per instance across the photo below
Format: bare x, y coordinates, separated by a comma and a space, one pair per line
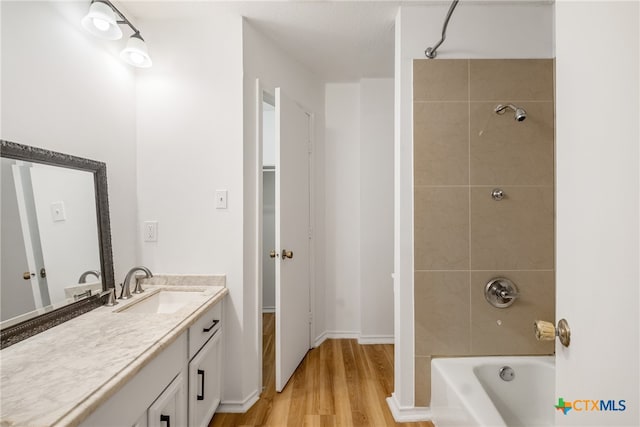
506, 152
422, 381
516, 233
441, 80
441, 143
515, 334
441, 228
507, 80
441, 313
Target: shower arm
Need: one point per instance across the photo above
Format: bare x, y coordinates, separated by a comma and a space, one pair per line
430, 52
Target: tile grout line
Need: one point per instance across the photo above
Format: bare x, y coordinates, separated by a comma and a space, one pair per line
496, 270
469, 196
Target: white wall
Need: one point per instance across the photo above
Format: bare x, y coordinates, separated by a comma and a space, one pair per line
598, 213
189, 110
67, 91
342, 186
475, 31
268, 135
376, 210
269, 241
77, 234
275, 68
359, 210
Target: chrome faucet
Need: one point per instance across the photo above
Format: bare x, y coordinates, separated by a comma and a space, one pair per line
125, 293
83, 276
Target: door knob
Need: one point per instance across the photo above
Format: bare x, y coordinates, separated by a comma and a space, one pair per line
273, 253
287, 254
28, 275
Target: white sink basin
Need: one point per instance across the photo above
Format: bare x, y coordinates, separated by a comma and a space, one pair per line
163, 302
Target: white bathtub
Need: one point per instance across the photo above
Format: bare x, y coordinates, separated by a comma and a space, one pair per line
468, 391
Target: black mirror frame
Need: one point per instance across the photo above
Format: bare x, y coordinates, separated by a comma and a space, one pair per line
42, 322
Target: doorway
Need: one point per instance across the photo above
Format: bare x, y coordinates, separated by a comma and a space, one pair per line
268, 243
284, 235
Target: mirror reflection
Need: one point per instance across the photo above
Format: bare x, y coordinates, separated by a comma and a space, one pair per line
50, 240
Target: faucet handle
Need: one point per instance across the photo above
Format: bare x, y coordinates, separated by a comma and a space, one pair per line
110, 293
138, 289
501, 292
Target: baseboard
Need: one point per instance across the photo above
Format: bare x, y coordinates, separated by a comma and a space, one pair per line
268, 309
376, 339
239, 407
335, 335
407, 414
320, 339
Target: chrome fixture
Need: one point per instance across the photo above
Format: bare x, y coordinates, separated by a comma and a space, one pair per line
430, 52
83, 276
125, 293
507, 373
497, 194
545, 331
520, 113
501, 292
111, 297
103, 20
84, 294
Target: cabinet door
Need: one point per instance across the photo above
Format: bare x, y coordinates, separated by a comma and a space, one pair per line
142, 421
204, 382
169, 409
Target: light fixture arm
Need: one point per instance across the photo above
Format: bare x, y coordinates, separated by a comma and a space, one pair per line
123, 19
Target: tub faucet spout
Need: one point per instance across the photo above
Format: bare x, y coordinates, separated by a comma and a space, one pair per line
125, 293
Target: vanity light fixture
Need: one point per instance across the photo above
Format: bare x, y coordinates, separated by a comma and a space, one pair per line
104, 19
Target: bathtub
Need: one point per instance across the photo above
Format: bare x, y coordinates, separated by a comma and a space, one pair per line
469, 391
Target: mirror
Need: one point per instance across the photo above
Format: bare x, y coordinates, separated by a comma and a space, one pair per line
55, 239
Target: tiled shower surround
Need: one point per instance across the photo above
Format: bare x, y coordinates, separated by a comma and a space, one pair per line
463, 238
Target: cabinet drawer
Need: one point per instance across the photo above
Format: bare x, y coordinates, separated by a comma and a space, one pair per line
204, 328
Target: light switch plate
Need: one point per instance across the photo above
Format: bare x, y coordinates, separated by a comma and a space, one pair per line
57, 212
221, 199
150, 230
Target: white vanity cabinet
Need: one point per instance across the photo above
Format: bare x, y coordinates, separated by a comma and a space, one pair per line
205, 338
179, 387
170, 407
129, 405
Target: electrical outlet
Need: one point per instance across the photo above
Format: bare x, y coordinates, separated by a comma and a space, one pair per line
150, 230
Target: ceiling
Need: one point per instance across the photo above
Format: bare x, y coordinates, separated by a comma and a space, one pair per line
337, 40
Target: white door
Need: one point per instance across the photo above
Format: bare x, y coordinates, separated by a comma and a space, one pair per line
292, 237
598, 213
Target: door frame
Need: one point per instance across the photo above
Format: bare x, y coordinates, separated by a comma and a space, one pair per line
260, 90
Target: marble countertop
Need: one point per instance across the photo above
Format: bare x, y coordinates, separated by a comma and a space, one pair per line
60, 376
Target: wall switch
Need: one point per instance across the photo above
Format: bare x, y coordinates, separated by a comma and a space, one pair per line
221, 199
150, 231
57, 212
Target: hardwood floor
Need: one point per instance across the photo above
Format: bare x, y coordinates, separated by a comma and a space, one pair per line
340, 383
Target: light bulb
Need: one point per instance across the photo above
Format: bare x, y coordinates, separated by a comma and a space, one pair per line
100, 24
136, 58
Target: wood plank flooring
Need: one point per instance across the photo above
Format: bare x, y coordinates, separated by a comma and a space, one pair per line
338, 384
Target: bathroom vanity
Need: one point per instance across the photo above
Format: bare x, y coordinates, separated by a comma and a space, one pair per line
152, 360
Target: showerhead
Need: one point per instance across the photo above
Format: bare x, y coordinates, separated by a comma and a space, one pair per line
520, 113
